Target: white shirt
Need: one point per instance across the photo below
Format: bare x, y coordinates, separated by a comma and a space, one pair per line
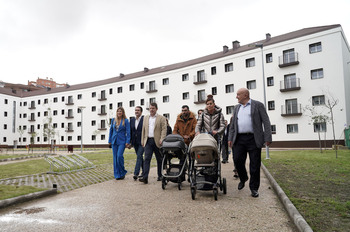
151, 124
244, 118
137, 121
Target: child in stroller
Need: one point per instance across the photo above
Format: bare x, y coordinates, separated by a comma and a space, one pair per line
205, 166
174, 149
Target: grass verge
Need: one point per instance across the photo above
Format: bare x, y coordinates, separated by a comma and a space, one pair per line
317, 183
9, 191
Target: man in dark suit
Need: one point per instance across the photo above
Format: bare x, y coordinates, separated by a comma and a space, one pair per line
250, 128
153, 133
136, 124
224, 144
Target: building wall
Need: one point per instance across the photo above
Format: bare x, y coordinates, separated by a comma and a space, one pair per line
334, 59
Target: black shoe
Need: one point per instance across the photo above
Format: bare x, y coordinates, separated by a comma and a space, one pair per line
235, 176
241, 184
121, 178
255, 193
135, 177
145, 181
224, 161
159, 178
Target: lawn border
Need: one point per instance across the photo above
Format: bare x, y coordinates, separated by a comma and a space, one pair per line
292, 211
28, 197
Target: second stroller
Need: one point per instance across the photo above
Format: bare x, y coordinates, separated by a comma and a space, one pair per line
174, 163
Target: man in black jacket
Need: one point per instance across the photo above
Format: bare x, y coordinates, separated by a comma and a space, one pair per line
136, 131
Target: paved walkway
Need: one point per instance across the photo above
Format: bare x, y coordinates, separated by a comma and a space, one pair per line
128, 205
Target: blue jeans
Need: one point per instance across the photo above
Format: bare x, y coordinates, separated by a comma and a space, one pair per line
118, 160
139, 159
151, 147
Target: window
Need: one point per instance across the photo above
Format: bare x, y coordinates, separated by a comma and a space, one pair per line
250, 62
24, 103
166, 81
93, 108
93, 94
120, 89
69, 138
38, 127
4, 139
318, 100
55, 112
229, 67
62, 138
80, 96
320, 127
54, 125
213, 70
24, 139
165, 98
292, 128
5, 114
93, 137
200, 75
317, 74
38, 114
93, 123
185, 95
152, 86
25, 115
214, 91
292, 106
167, 116
5, 126
111, 106
290, 81
185, 77
39, 102
288, 56
78, 137
273, 129
152, 100
229, 109
142, 85
46, 101
316, 47
6, 102
38, 139
131, 87
62, 125
229, 88
78, 124
132, 103
120, 104
62, 99
269, 58
271, 105
201, 96
103, 137
251, 84
142, 102
110, 91
270, 81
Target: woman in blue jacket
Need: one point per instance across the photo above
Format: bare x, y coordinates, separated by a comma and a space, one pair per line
119, 138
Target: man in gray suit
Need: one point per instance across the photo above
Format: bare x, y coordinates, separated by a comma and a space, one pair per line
249, 129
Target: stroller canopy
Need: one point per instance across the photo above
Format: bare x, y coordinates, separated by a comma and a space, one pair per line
204, 142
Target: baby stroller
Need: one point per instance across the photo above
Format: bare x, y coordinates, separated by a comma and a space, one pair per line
174, 149
205, 166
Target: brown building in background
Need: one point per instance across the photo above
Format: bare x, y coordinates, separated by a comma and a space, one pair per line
48, 83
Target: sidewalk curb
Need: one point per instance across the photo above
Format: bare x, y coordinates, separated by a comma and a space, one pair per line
293, 213
31, 196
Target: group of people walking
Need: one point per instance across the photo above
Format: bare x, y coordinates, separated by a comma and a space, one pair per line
249, 129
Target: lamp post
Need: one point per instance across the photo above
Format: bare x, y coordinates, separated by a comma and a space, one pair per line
261, 46
81, 127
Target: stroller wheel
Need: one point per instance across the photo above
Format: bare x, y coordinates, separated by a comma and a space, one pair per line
215, 194
224, 185
179, 186
163, 183
193, 193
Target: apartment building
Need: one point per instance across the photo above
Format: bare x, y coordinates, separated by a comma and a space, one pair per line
308, 68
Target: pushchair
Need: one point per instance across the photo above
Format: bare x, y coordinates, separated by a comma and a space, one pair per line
205, 166
174, 162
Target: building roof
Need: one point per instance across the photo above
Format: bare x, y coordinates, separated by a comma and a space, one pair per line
166, 68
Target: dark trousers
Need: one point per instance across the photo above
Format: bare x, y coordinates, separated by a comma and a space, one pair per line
244, 144
151, 147
224, 150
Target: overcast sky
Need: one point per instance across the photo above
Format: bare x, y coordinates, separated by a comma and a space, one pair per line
77, 41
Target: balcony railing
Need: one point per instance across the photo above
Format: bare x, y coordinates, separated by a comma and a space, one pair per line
288, 60
31, 119
102, 97
69, 129
291, 110
290, 85
102, 111
32, 107
70, 101
151, 88
199, 99
200, 79
102, 126
31, 131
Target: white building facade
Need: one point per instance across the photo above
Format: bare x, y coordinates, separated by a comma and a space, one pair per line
305, 68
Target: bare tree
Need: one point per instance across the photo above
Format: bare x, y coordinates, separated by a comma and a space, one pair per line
330, 103
48, 130
96, 132
20, 131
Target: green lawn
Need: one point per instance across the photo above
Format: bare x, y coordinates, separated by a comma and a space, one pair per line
317, 183
9, 191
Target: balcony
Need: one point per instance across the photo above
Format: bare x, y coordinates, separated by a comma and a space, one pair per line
199, 99
31, 131
31, 119
151, 88
69, 115
290, 85
200, 79
102, 97
291, 59
69, 129
69, 102
102, 112
291, 110
102, 126
32, 107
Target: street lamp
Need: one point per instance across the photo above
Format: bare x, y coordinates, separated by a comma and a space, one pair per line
81, 108
261, 46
